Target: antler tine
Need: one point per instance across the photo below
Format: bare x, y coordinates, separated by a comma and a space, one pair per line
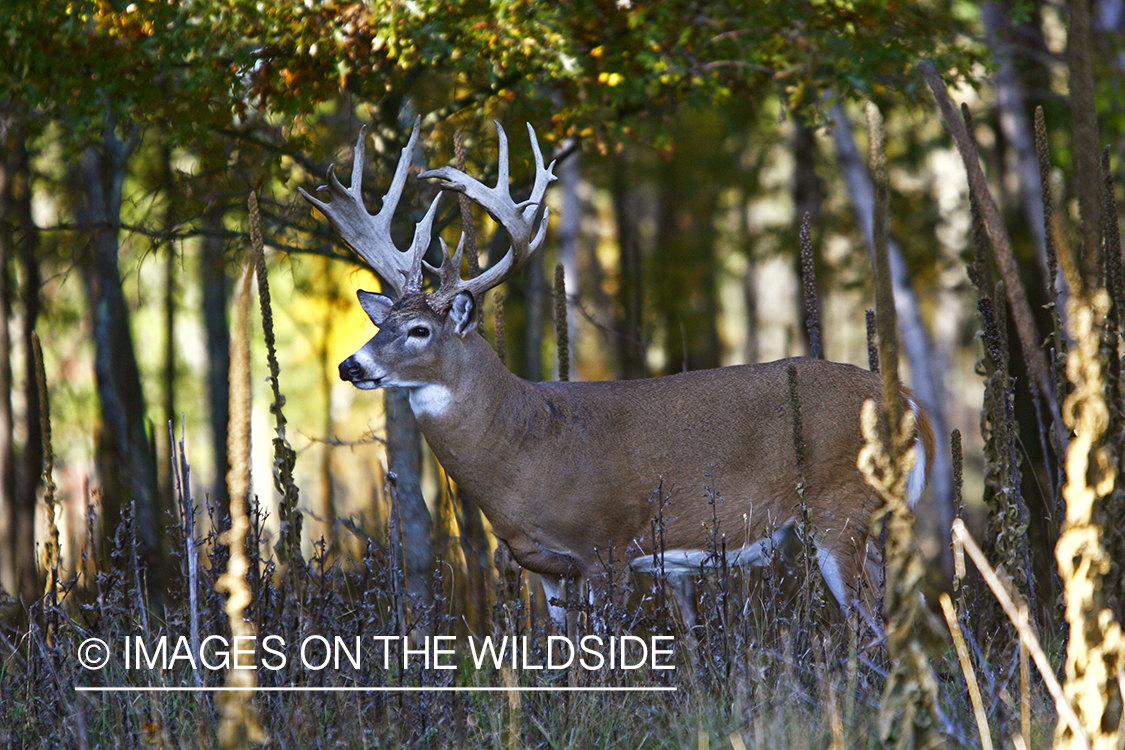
543, 176
518, 220
422, 232
502, 166
370, 236
449, 272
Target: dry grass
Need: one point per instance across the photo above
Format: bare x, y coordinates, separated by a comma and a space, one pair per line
774, 667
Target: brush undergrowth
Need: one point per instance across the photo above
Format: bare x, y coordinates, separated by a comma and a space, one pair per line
770, 663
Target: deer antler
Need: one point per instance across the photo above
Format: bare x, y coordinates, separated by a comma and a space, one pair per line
518, 219
370, 236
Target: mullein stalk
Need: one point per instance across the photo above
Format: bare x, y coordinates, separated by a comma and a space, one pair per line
239, 725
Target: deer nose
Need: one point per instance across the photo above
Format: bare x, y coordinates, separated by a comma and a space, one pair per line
349, 370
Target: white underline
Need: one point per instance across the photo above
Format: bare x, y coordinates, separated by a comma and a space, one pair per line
409, 689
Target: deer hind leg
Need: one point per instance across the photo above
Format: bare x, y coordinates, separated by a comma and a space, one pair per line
874, 576
846, 564
833, 575
683, 591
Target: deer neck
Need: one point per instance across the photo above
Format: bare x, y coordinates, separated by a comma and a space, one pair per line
475, 415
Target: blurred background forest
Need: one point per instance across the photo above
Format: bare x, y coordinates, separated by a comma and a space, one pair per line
692, 138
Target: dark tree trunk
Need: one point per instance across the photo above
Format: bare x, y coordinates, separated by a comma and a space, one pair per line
215, 292
478, 560
686, 293
8, 569
630, 342
21, 478
808, 198
570, 229
1085, 138
129, 470
533, 330
169, 375
404, 459
323, 521
1015, 124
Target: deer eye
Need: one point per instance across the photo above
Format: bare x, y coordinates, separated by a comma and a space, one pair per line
418, 332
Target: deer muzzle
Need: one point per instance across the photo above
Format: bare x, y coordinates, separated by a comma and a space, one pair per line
350, 370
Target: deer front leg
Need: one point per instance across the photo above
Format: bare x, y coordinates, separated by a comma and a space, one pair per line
553, 589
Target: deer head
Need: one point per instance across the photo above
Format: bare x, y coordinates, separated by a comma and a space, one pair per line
418, 325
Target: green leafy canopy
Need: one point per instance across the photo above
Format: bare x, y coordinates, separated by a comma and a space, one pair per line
206, 63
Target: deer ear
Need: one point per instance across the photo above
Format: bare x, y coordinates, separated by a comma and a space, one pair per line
463, 313
375, 305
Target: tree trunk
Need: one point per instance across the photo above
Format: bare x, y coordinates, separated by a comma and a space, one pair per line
404, 460
1085, 139
168, 185
8, 569
478, 560
630, 344
570, 228
129, 471
533, 330
924, 364
215, 292
1015, 124
323, 522
686, 295
808, 199
23, 474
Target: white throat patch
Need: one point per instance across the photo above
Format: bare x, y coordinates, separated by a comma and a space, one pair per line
429, 400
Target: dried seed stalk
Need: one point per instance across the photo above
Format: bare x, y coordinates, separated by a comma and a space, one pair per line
1095, 654
239, 724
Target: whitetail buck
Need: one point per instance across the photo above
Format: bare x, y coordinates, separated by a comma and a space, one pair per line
568, 473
